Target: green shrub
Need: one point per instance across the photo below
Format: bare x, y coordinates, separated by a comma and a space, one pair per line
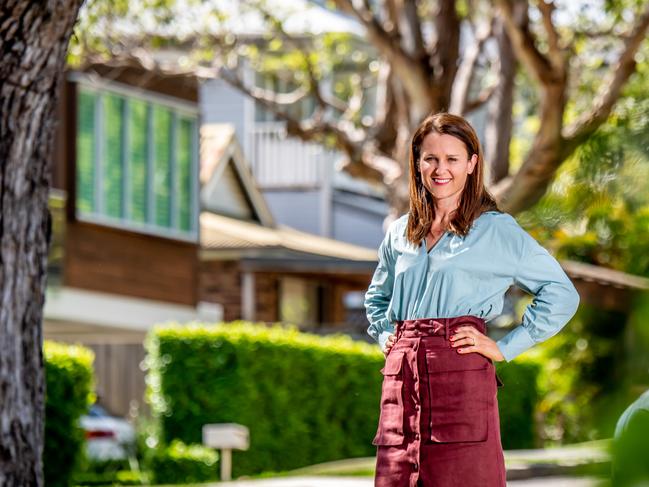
119, 477
581, 373
179, 463
108, 472
305, 398
69, 393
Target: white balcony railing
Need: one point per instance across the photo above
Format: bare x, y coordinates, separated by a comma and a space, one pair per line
280, 161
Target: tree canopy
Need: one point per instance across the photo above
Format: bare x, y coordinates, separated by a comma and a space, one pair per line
565, 62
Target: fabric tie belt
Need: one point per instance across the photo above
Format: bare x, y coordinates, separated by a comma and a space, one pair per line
436, 326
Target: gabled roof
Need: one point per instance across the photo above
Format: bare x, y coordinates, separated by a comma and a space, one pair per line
227, 185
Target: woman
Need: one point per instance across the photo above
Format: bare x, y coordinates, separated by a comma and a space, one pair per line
443, 270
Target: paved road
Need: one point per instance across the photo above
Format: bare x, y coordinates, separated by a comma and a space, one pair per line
368, 482
555, 482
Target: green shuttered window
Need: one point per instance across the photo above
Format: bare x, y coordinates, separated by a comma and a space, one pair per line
113, 173
86, 152
138, 116
186, 129
163, 159
137, 162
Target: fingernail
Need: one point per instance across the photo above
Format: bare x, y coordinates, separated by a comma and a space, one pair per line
459, 349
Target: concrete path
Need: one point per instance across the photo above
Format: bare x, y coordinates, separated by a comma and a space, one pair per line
525, 468
368, 482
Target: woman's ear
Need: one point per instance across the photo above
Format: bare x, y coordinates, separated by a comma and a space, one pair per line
473, 162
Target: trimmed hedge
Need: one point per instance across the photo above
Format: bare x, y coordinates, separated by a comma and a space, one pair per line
69, 393
305, 398
179, 463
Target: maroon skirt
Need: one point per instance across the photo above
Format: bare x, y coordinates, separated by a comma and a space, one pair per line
439, 424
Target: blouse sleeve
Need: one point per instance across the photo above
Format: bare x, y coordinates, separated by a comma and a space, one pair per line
555, 299
379, 294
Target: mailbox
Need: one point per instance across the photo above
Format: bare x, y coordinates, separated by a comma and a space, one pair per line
226, 437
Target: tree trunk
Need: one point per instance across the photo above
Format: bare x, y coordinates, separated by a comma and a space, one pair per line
533, 179
498, 133
33, 43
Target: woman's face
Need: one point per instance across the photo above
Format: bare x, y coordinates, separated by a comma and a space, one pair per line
445, 165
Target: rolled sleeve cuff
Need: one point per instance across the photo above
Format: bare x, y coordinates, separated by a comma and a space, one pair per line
515, 342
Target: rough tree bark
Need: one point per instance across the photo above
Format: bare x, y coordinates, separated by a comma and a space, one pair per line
33, 42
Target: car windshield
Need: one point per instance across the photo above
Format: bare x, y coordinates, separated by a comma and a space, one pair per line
97, 411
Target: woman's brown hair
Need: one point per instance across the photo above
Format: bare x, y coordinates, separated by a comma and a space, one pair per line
475, 198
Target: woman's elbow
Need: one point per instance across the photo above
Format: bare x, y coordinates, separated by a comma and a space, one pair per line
573, 299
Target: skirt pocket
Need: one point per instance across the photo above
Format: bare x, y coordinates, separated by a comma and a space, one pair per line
460, 391
390, 429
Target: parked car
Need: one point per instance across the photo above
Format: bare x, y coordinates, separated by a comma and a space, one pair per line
107, 437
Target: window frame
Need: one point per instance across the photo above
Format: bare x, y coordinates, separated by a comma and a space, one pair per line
179, 109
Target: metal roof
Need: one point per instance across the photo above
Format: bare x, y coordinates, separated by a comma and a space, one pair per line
223, 233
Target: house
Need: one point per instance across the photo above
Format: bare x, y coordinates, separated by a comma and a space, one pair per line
153, 224
261, 270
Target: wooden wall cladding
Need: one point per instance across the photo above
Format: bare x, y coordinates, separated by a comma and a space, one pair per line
116, 261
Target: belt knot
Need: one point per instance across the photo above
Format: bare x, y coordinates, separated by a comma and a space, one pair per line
437, 325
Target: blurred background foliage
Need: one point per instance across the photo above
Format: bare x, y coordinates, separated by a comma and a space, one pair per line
597, 210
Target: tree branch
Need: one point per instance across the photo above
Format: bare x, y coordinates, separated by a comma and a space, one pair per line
483, 97
411, 31
363, 160
466, 71
611, 88
314, 83
525, 44
447, 50
413, 73
554, 51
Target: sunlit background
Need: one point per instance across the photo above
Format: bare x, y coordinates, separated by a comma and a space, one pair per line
223, 175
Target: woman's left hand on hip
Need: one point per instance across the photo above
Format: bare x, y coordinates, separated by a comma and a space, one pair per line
468, 340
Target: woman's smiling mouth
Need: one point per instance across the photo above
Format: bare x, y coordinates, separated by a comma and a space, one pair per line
440, 181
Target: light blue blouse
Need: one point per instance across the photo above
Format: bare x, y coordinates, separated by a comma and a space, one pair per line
470, 275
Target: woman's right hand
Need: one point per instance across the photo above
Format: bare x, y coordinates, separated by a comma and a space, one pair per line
389, 343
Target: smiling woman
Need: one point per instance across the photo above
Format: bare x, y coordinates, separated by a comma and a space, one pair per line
443, 271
